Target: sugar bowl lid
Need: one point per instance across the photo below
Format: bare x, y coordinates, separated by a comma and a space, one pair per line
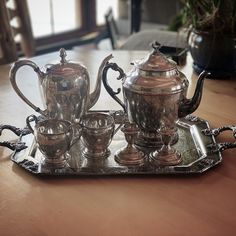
65, 68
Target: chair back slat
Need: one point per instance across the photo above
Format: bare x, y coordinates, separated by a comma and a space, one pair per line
8, 31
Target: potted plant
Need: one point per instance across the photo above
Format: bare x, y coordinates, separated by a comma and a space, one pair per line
212, 37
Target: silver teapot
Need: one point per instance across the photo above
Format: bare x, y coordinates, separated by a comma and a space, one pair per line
155, 92
155, 89
64, 87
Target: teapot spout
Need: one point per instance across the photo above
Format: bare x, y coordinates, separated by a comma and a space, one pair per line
93, 97
188, 106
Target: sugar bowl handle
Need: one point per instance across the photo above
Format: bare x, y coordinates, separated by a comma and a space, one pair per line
29, 119
108, 88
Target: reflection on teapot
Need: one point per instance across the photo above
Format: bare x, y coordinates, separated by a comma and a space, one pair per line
65, 88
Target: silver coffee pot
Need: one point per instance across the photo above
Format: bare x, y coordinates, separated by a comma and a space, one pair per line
155, 93
64, 87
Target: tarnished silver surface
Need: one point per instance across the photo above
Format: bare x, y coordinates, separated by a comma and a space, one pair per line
64, 87
192, 144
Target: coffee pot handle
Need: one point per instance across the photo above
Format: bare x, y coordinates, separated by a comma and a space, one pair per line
108, 88
17, 65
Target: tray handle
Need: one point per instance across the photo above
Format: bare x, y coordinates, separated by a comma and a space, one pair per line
15, 130
215, 132
18, 146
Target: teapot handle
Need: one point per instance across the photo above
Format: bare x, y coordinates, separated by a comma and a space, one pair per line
108, 88
17, 65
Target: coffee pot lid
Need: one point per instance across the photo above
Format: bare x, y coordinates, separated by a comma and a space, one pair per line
65, 68
156, 61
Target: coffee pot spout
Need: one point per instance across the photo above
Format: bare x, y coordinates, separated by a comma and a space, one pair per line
93, 97
188, 106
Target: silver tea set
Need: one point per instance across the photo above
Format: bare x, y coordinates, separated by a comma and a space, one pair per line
154, 94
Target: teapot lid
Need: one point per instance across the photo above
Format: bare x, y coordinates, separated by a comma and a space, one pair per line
156, 61
65, 68
156, 74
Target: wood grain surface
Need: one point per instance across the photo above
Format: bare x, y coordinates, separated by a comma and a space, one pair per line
156, 205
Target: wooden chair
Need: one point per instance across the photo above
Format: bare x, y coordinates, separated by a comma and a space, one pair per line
105, 39
112, 30
8, 32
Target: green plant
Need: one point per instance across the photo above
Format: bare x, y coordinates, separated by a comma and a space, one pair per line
208, 15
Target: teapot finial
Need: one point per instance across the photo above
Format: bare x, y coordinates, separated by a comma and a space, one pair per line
156, 46
63, 55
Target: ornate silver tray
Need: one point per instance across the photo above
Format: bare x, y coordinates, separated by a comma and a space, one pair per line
196, 144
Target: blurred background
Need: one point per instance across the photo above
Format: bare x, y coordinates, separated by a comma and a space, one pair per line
70, 23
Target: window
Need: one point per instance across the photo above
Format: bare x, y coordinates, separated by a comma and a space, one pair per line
57, 23
102, 7
50, 17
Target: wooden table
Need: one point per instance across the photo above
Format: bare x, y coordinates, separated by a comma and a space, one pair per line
157, 205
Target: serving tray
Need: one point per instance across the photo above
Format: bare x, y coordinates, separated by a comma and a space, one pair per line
196, 144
